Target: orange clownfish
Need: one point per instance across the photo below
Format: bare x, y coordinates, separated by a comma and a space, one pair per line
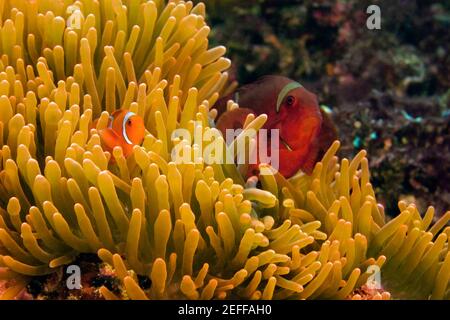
125, 129
305, 131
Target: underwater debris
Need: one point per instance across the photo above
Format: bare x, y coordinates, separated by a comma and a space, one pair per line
193, 230
411, 118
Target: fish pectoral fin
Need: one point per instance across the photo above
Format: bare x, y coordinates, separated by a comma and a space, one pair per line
308, 166
311, 160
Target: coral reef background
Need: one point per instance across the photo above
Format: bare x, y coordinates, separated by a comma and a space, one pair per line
388, 89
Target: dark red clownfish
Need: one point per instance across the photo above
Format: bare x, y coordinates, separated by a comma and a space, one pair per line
305, 130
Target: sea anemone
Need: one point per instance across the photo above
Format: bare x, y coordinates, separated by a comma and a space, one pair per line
197, 230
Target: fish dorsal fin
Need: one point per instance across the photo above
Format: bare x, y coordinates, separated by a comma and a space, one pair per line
286, 89
110, 122
116, 121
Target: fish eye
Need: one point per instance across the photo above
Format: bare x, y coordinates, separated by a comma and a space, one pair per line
129, 122
290, 100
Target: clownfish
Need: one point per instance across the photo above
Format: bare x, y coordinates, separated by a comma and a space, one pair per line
125, 129
305, 130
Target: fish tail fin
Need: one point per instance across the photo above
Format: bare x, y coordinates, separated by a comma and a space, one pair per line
94, 124
233, 119
221, 104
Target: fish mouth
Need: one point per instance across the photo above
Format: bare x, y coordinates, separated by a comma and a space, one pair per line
284, 142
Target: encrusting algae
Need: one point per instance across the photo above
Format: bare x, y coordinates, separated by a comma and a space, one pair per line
197, 231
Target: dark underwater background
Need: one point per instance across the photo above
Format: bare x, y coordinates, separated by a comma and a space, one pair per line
388, 90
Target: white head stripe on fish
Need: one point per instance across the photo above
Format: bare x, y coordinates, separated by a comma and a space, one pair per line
124, 126
287, 88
